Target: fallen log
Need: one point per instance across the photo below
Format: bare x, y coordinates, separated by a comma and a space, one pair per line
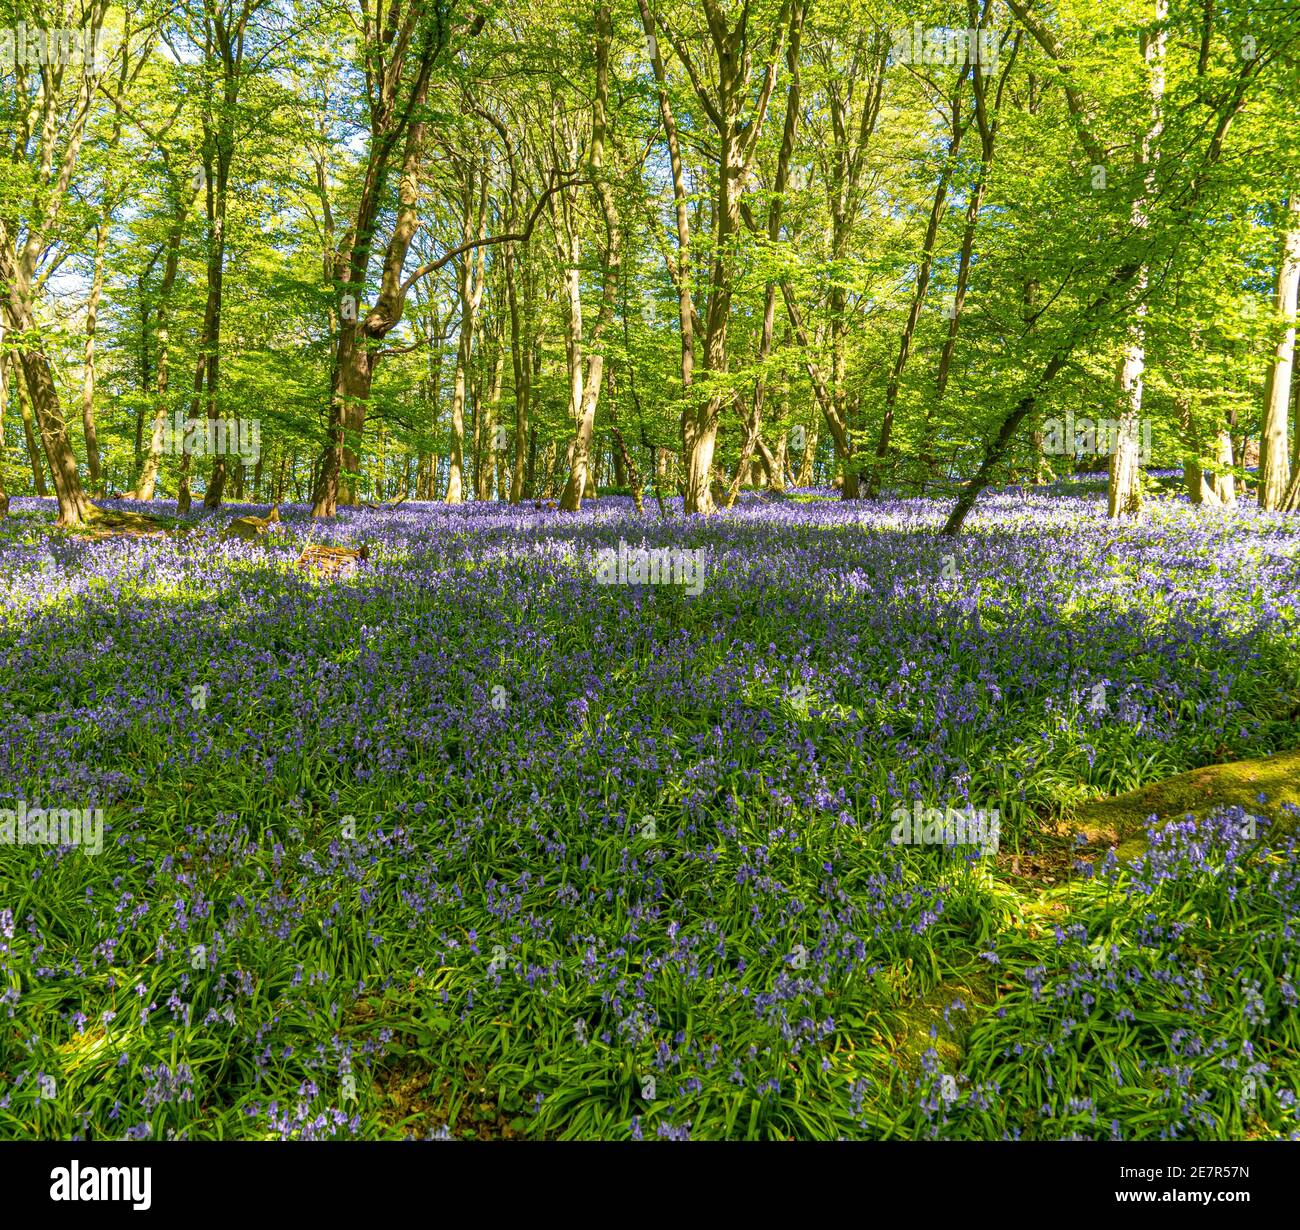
111, 523
252, 529
325, 561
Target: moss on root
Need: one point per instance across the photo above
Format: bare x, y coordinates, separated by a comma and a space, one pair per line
1123, 819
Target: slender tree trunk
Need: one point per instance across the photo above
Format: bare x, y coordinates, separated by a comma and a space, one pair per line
435, 410
88, 376
148, 480
184, 500
548, 472
29, 433
570, 259
530, 474
699, 437
212, 329
488, 414
987, 120
145, 378
227, 39
4, 409
580, 480
29, 429
919, 290
804, 477
1274, 451
774, 463
1125, 493
74, 505
470, 283
846, 163
1295, 418
996, 450
627, 468
836, 423
518, 363
753, 421
737, 144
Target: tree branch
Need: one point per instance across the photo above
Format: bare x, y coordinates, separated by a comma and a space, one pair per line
489, 240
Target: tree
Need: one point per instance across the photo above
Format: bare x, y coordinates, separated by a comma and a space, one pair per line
737, 119
44, 153
1274, 461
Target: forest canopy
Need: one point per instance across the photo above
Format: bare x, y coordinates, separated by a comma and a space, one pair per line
338, 253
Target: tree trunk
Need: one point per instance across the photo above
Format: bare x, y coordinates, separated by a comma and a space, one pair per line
548, 472
737, 145
4, 407
29, 430
519, 365
626, 471
75, 507
700, 423
148, 480
88, 375
804, 477
212, 328
1274, 450
227, 36
488, 413
1125, 491
184, 500
774, 463
835, 421
1199, 488
921, 286
470, 280
995, 451
354, 360
753, 422
1224, 484
18, 270
580, 479
846, 165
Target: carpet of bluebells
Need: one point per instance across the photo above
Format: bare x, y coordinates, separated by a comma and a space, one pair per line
466, 845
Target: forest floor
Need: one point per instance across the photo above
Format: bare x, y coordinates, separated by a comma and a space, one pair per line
478, 838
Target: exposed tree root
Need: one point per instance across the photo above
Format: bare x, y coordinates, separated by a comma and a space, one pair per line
1123, 819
